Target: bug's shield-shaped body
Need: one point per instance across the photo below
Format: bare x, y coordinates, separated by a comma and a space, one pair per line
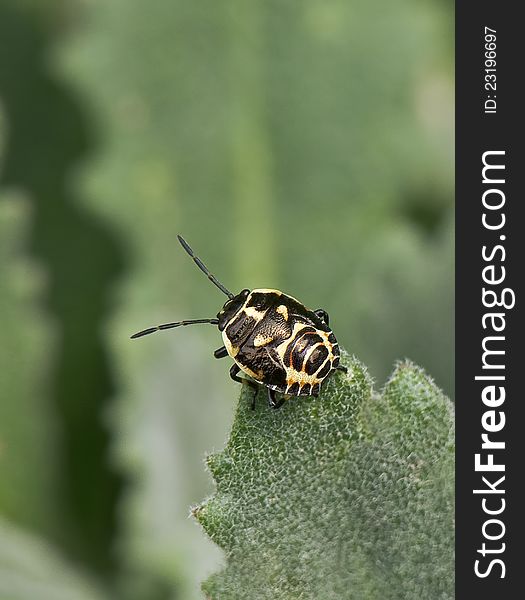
279, 343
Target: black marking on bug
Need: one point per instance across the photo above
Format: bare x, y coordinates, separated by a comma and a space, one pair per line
306, 390
297, 346
293, 390
322, 373
273, 338
239, 328
316, 359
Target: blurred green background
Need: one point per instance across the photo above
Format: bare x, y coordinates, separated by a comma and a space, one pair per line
304, 145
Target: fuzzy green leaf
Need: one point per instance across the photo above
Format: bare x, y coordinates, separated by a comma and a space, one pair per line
346, 496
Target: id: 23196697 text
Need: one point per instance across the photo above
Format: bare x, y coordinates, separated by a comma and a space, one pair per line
490, 71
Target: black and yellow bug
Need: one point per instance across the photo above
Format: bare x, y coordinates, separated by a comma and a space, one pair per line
272, 337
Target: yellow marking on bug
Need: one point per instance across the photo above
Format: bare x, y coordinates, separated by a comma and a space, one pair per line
266, 291
261, 340
230, 348
300, 377
258, 376
283, 311
252, 312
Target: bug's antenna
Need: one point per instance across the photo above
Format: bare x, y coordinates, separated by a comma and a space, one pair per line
172, 326
203, 267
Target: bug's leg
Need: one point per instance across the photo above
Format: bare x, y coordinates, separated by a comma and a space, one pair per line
234, 374
322, 314
341, 368
272, 400
220, 352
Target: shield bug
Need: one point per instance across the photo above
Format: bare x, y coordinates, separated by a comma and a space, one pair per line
272, 338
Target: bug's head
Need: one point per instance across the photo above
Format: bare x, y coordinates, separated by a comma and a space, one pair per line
231, 308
